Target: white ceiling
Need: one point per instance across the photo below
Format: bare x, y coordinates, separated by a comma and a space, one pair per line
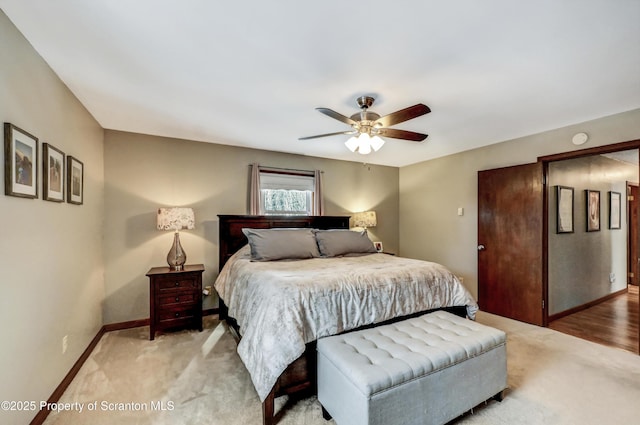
630, 156
250, 73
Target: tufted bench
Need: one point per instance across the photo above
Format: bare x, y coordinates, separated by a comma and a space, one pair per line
425, 370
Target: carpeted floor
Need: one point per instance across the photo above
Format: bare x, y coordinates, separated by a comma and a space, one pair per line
197, 378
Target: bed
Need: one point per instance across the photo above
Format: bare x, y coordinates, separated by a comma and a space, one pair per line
278, 309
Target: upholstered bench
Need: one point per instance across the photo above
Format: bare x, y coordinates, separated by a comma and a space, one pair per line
425, 370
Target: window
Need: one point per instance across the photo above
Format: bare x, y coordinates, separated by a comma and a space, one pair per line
278, 191
286, 193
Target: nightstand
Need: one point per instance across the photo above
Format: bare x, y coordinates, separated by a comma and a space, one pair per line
175, 298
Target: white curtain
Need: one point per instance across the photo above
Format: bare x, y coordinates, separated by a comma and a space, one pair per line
318, 205
254, 190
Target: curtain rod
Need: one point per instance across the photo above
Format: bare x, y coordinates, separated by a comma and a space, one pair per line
292, 170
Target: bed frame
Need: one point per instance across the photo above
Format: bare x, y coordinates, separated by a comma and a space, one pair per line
301, 374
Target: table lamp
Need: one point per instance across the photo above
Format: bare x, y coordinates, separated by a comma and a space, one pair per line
176, 219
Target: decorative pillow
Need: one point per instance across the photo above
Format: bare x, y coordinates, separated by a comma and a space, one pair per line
340, 242
281, 244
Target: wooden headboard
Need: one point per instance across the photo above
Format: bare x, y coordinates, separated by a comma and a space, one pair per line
231, 238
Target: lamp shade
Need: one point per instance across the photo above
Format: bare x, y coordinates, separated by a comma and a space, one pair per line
376, 143
175, 218
352, 144
365, 219
364, 142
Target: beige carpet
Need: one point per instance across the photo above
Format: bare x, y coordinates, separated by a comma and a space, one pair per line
198, 378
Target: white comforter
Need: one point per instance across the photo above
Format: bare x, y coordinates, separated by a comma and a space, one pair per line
282, 305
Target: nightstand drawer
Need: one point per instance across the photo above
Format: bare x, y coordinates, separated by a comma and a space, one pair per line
166, 284
176, 298
175, 324
176, 313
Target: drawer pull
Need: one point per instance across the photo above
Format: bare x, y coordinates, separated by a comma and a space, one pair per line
177, 299
177, 314
177, 283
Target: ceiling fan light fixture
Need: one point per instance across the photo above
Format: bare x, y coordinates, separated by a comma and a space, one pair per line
376, 143
352, 144
364, 144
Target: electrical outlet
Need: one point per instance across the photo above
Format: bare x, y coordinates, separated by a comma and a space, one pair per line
207, 290
65, 343
612, 277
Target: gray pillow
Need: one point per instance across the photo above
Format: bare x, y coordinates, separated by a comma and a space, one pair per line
340, 242
281, 244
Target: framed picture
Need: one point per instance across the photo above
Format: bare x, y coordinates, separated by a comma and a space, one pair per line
593, 210
52, 173
378, 246
564, 211
614, 210
20, 162
75, 181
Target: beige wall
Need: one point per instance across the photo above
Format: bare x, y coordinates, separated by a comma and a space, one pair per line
432, 191
144, 172
50, 253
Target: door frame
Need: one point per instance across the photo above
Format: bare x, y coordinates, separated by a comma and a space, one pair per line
546, 160
633, 189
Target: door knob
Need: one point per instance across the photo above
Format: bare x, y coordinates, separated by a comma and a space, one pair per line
481, 247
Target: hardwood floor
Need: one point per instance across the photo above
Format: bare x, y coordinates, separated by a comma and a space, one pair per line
613, 322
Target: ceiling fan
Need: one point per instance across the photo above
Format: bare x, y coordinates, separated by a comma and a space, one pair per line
367, 126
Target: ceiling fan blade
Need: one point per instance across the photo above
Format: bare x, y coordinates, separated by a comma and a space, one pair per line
403, 115
333, 114
402, 134
328, 134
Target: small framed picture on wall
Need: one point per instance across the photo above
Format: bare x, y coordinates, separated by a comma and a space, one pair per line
564, 213
378, 246
20, 162
75, 181
52, 173
593, 210
614, 210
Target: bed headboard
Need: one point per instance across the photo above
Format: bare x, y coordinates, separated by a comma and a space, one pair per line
232, 239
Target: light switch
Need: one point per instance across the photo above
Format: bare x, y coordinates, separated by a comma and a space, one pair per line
460, 211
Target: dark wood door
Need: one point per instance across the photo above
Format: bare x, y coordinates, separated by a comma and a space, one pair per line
632, 260
510, 242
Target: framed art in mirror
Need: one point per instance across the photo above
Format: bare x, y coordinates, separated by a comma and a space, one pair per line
615, 215
564, 210
593, 210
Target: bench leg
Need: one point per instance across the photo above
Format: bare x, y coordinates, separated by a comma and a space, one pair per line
325, 415
498, 397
